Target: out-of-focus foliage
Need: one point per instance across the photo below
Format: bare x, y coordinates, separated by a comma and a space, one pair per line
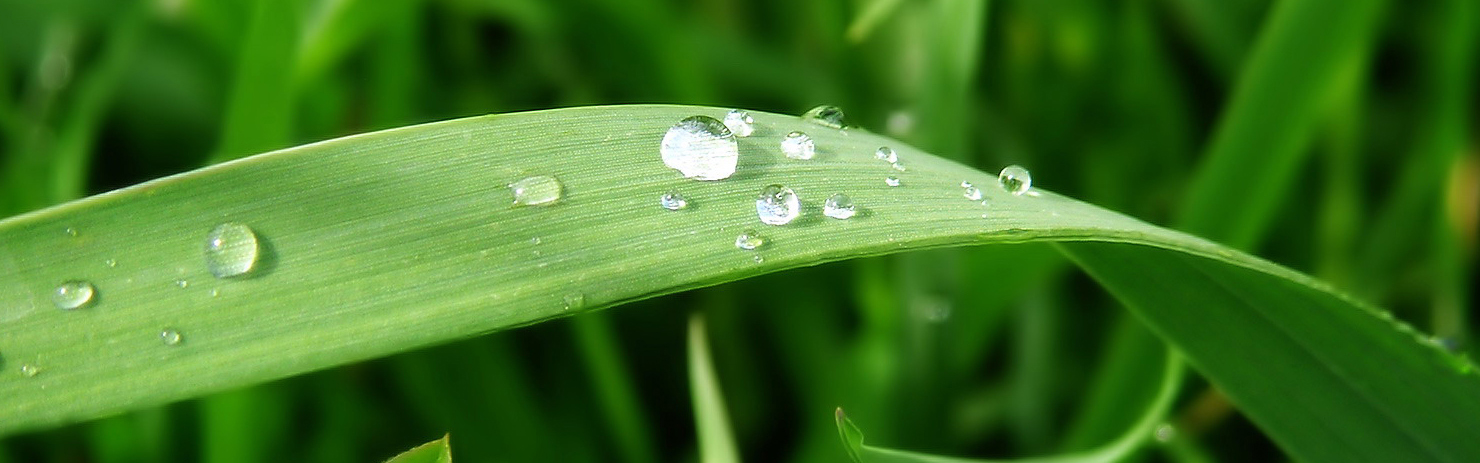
1367, 178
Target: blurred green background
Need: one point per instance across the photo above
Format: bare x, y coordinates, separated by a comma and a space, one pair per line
1354, 134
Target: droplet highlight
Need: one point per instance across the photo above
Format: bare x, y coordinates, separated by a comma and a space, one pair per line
1015, 179
839, 206
740, 123
73, 294
29, 370
539, 190
701, 148
891, 181
673, 201
231, 250
170, 337
777, 205
749, 240
970, 191
798, 145
826, 116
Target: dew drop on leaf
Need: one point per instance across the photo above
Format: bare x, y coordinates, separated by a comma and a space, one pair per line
749, 240
798, 145
839, 206
73, 294
777, 205
886, 154
170, 337
701, 148
1015, 179
231, 250
539, 190
826, 116
740, 123
891, 181
673, 201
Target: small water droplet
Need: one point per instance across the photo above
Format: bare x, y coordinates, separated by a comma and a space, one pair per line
231, 250
29, 370
70, 232
740, 123
970, 191
673, 201
886, 154
110, 263
777, 205
749, 240
1165, 433
536, 241
574, 301
899, 166
182, 283
539, 190
73, 294
826, 116
1015, 179
701, 148
798, 145
215, 292
891, 181
839, 206
170, 337
757, 258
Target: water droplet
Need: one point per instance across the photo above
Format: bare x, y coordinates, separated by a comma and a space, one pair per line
29, 370
891, 181
170, 337
757, 258
798, 145
886, 154
701, 148
777, 205
826, 116
70, 232
182, 283
574, 301
1165, 433
110, 263
749, 240
673, 201
231, 250
839, 206
740, 123
970, 191
215, 292
1015, 179
72, 294
897, 166
539, 190
536, 241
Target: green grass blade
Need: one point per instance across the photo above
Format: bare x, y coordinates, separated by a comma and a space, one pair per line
437, 451
716, 440
389, 241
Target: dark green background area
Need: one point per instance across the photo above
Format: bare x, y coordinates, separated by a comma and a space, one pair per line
1334, 137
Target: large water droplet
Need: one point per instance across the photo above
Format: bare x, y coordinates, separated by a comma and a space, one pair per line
886, 154
749, 240
798, 145
170, 337
73, 294
539, 190
970, 191
839, 206
891, 181
231, 250
827, 116
1015, 179
740, 123
673, 201
777, 205
29, 370
701, 148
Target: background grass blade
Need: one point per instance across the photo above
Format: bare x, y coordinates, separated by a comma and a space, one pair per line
437, 451
392, 240
716, 440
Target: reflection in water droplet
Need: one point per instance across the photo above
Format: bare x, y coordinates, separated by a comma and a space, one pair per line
231, 250
827, 116
749, 240
539, 190
891, 181
701, 148
740, 123
839, 206
72, 294
798, 145
673, 201
170, 337
886, 154
29, 370
1015, 179
777, 205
